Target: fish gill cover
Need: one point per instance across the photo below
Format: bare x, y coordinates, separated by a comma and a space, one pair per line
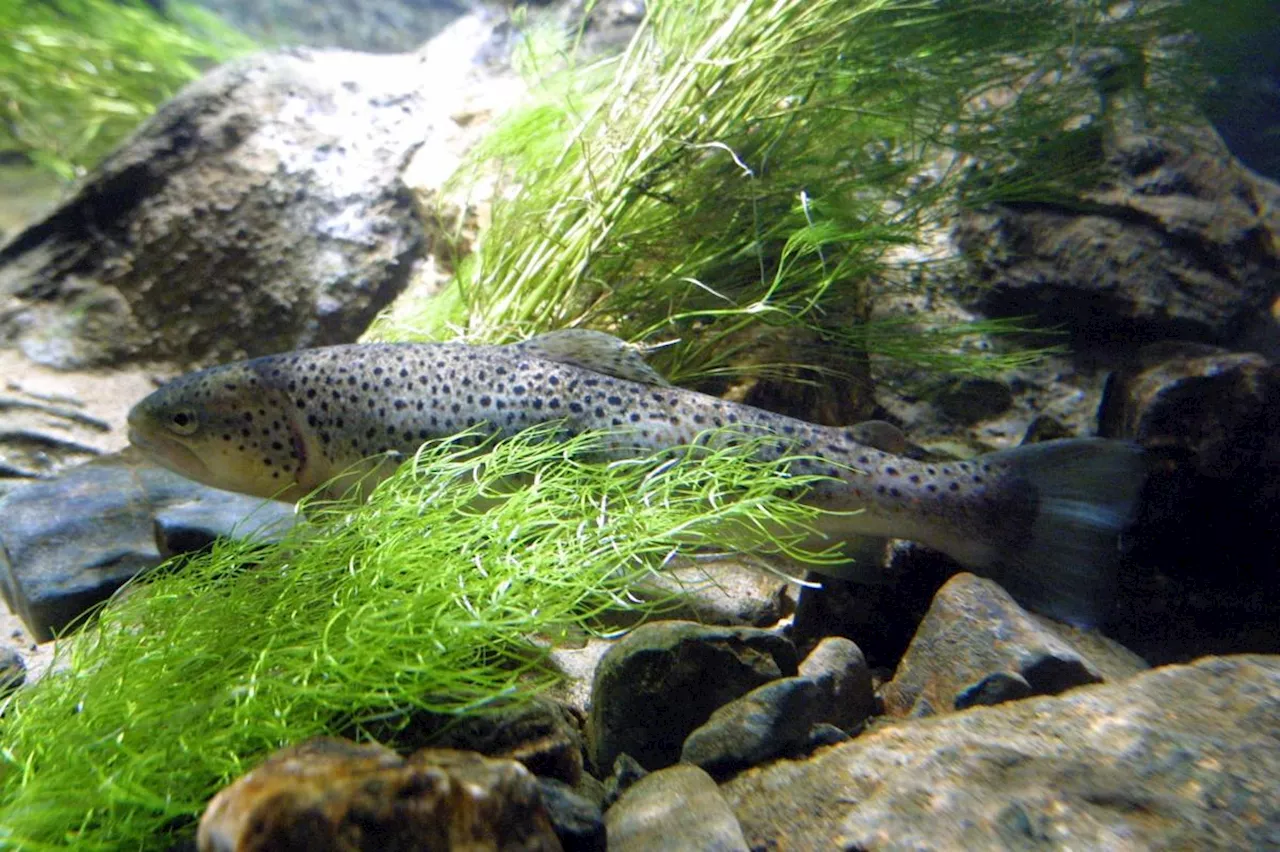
743, 165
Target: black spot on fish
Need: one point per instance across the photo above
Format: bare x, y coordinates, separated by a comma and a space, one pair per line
955, 486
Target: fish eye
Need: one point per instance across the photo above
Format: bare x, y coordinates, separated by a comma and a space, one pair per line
183, 421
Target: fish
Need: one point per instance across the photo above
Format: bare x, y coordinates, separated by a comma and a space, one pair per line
1045, 520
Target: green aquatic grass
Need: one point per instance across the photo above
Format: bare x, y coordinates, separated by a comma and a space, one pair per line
76, 76
427, 598
749, 170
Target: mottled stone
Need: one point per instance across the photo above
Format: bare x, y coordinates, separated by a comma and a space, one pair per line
841, 673
13, 672
977, 646
678, 808
259, 210
970, 400
337, 795
666, 678
1183, 757
1175, 240
69, 542
626, 772
779, 718
576, 820
719, 592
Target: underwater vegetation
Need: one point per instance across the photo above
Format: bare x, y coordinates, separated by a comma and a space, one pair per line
746, 171
416, 602
76, 76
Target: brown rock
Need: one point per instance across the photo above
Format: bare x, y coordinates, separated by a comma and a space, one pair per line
1184, 757
674, 808
336, 795
977, 646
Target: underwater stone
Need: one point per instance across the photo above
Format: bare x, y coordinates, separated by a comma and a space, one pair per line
576, 820
675, 808
329, 794
13, 672
260, 210
666, 678
1182, 757
977, 646
972, 400
769, 721
1174, 240
626, 771
69, 542
833, 689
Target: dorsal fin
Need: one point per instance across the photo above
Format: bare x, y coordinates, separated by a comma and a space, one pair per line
880, 435
592, 350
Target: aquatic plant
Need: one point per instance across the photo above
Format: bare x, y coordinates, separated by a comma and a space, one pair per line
76, 76
749, 168
420, 600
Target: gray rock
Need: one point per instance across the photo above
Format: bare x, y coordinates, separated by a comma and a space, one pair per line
666, 678
678, 808
260, 210
69, 542
626, 772
770, 720
970, 400
977, 646
1184, 757
841, 673
719, 592
576, 820
1174, 241
13, 672
833, 688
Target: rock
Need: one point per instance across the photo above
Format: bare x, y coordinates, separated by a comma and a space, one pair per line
970, 400
626, 772
719, 592
540, 733
1174, 241
770, 720
779, 718
69, 542
576, 820
13, 672
841, 673
1205, 545
977, 646
1184, 757
260, 210
336, 795
879, 616
665, 679
678, 808
386, 26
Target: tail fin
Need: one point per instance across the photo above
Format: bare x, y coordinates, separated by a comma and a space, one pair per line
1087, 489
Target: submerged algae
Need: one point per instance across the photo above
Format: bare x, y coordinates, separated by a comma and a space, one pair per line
367, 614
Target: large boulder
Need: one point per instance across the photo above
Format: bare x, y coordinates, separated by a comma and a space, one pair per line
260, 210
1184, 757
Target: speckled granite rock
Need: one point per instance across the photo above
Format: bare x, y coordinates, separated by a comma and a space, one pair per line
337, 795
678, 808
977, 646
1183, 757
665, 679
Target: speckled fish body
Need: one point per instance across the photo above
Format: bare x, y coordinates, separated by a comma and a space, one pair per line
287, 424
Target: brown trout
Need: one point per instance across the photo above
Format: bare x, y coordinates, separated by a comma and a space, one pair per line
1044, 519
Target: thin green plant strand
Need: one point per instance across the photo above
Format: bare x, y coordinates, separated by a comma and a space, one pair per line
425, 599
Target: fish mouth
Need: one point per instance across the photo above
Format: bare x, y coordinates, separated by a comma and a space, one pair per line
169, 453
